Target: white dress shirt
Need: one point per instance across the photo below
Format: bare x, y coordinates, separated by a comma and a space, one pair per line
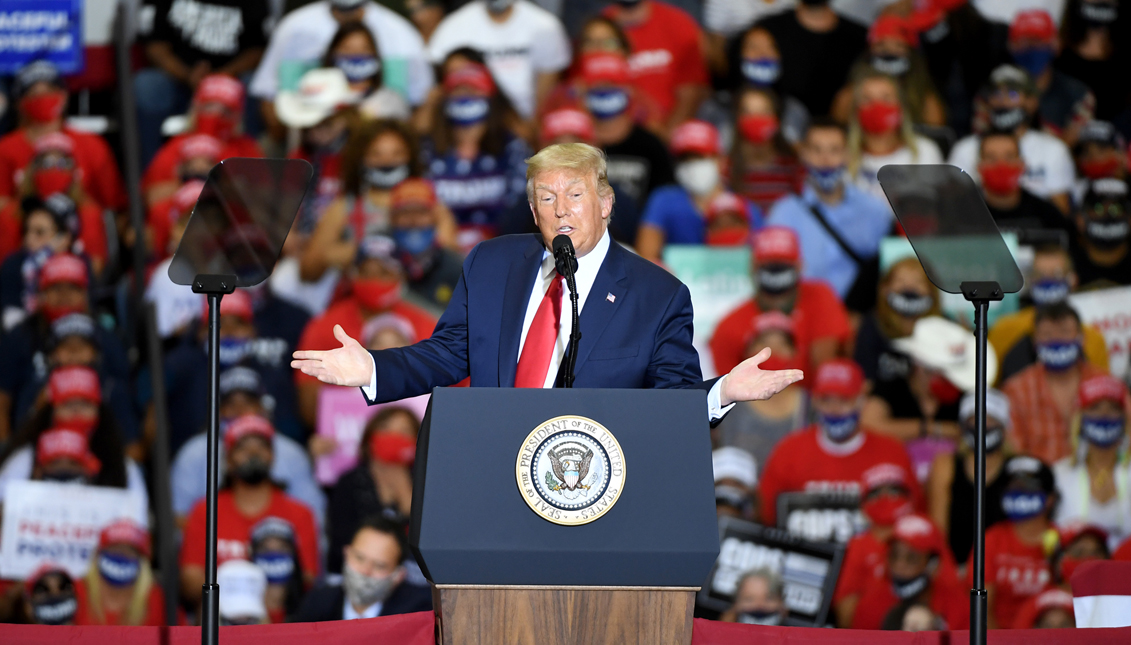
586, 274
372, 611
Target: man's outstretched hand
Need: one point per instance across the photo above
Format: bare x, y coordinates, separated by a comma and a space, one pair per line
748, 382
348, 365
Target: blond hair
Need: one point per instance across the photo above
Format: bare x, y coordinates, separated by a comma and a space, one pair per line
139, 602
581, 157
855, 132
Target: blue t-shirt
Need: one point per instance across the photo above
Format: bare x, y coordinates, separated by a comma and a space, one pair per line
671, 210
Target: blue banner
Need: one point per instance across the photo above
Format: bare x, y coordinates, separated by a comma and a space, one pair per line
41, 30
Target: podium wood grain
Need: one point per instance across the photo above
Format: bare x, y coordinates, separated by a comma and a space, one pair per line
521, 615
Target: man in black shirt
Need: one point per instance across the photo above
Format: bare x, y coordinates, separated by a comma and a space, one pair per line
1101, 249
817, 49
1012, 207
190, 40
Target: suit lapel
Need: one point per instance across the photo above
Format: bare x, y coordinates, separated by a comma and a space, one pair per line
516, 295
599, 308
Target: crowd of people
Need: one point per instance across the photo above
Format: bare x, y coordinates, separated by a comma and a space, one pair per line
727, 124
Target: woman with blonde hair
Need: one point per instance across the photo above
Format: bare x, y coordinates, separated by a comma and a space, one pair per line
1094, 481
880, 132
119, 588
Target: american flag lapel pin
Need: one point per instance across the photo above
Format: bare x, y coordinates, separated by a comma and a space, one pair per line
611, 298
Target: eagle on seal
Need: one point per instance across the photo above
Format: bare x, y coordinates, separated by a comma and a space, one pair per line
571, 471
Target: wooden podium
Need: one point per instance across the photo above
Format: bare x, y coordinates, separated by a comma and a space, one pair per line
501, 614
504, 574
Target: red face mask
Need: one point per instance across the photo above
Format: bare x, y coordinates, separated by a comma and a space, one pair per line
376, 294
777, 363
49, 181
1100, 168
884, 510
1001, 177
52, 313
728, 237
393, 448
879, 117
758, 128
215, 124
44, 108
944, 391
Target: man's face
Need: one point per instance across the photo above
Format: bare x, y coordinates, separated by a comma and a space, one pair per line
374, 554
1049, 331
1051, 266
566, 202
1000, 150
413, 217
837, 406
824, 148
64, 295
754, 596
232, 326
248, 448
41, 232
905, 562
74, 350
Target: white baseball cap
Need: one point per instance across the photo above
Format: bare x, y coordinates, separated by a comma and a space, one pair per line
735, 463
997, 407
242, 585
947, 347
320, 93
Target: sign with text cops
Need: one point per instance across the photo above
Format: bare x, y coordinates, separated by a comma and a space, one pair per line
48, 30
832, 516
60, 523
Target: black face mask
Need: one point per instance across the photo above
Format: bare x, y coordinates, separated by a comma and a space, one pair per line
905, 588
54, 610
994, 437
891, 64
383, 177
775, 279
909, 304
254, 471
1007, 119
1106, 232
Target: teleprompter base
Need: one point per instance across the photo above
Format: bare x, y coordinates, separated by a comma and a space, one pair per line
521, 615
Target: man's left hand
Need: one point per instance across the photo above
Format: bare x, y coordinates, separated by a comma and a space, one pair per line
748, 382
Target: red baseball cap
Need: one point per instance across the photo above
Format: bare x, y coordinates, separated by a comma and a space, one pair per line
1035, 24
889, 26
604, 67
885, 474
919, 532
236, 303
567, 122
727, 202
55, 142
1030, 612
220, 88
200, 145
839, 377
184, 200
63, 269
471, 75
58, 443
1069, 532
776, 244
74, 382
44, 569
127, 532
696, 137
248, 425
413, 192
1101, 387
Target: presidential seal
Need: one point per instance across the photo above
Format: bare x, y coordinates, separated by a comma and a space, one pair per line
570, 470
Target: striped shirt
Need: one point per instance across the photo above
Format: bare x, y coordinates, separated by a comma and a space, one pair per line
1039, 429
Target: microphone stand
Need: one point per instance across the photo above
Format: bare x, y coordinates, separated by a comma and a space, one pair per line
566, 263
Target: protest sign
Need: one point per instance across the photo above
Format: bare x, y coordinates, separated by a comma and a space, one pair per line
342, 414
60, 523
1109, 310
718, 278
808, 570
48, 30
821, 516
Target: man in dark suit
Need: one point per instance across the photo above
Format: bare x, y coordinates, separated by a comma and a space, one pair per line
508, 322
372, 582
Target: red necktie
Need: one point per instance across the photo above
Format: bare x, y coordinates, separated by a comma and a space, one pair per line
534, 362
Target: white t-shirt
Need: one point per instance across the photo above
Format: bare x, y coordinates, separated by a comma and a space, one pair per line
531, 41
1077, 503
174, 304
301, 38
927, 152
1048, 163
1005, 11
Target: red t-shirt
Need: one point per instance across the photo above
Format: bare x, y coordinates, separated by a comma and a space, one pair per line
233, 530
92, 233
319, 332
101, 180
1016, 571
665, 53
154, 609
1123, 552
864, 562
818, 314
800, 463
947, 600
164, 164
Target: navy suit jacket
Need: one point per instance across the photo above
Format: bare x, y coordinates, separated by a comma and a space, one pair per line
636, 327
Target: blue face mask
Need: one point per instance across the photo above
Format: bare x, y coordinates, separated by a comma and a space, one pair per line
606, 103
467, 110
1020, 505
358, 68
1035, 60
233, 350
415, 241
1101, 433
761, 71
277, 566
1057, 355
839, 428
118, 570
826, 180
1047, 292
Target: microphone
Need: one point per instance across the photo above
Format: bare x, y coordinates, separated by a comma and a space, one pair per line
565, 259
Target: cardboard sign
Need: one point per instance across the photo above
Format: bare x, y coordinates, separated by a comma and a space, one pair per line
821, 516
342, 415
59, 523
48, 30
1110, 311
809, 570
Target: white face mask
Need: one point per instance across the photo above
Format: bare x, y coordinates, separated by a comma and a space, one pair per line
699, 177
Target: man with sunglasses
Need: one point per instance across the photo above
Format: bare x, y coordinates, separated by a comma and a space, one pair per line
1100, 249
